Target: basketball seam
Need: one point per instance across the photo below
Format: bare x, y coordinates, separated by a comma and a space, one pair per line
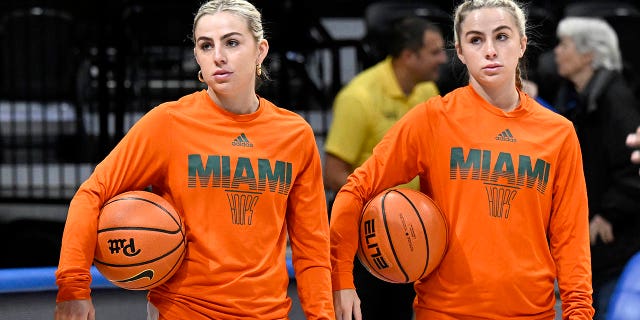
149, 201
424, 231
360, 250
141, 228
181, 243
446, 230
386, 228
365, 256
170, 273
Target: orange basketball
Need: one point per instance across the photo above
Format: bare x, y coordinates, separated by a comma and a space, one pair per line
402, 236
141, 240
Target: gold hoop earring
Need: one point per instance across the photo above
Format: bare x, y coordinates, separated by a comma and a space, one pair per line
200, 76
258, 70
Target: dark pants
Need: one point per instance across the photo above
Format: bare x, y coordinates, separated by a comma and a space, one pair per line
380, 299
601, 296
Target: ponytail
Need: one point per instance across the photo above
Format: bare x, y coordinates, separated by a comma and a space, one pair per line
518, 78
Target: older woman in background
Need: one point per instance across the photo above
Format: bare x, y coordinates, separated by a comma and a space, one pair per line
604, 109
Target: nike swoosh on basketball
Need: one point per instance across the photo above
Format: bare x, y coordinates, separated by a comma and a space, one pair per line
144, 274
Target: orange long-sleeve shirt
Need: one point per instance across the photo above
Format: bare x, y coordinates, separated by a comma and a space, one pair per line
512, 189
242, 184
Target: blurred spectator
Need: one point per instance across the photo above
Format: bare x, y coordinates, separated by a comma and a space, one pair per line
604, 109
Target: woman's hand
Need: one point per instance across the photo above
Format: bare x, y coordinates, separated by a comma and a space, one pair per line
347, 305
600, 227
75, 310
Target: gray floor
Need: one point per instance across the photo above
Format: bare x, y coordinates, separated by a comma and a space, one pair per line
109, 303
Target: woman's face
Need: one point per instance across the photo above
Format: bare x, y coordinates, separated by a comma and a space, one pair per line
570, 62
490, 46
227, 52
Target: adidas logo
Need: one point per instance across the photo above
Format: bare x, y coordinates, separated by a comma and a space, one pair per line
505, 135
242, 141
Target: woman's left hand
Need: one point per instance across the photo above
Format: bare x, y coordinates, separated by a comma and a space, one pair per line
600, 227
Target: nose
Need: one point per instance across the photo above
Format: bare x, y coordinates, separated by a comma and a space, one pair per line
490, 50
219, 56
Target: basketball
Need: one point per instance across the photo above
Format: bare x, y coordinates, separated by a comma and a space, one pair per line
141, 240
402, 236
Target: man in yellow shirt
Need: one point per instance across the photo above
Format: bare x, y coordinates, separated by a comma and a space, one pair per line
363, 111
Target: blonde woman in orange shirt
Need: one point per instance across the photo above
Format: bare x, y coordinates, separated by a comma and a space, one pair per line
201, 152
506, 172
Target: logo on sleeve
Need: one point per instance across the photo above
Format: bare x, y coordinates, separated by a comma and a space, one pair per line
242, 141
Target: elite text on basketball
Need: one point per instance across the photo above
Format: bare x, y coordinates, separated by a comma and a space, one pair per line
370, 236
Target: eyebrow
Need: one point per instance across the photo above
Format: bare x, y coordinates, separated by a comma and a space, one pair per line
499, 28
225, 36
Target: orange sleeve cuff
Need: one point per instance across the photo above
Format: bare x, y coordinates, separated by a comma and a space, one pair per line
342, 280
73, 293
75, 287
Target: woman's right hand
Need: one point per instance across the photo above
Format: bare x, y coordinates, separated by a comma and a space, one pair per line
75, 310
347, 305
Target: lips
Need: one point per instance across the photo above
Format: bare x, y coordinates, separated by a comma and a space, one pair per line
492, 66
222, 74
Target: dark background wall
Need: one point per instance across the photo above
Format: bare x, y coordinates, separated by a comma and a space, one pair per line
75, 75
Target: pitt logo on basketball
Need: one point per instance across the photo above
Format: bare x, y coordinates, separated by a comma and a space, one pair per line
370, 236
129, 249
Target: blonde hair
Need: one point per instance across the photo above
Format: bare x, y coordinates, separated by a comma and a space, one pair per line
241, 8
510, 6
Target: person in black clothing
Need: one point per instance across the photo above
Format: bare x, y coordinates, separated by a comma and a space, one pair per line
603, 107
